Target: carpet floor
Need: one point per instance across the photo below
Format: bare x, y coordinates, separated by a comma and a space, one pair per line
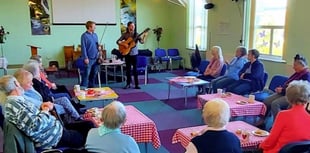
152, 100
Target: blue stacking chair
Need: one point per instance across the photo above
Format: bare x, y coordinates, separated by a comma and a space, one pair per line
161, 56
296, 147
275, 82
174, 55
142, 67
201, 68
79, 63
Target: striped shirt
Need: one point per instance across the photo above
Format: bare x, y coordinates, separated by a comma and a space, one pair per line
43, 129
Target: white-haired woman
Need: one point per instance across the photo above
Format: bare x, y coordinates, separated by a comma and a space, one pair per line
215, 66
108, 137
216, 115
293, 124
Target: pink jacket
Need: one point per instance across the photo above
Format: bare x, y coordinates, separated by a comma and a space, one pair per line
215, 67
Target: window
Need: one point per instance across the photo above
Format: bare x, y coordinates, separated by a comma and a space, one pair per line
267, 27
197, 24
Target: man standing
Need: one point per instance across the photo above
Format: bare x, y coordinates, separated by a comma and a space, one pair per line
131, 57
90, 48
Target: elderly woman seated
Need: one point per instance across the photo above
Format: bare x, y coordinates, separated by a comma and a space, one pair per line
293, 124
215, 137
277, 101
39, 125
108, 137
214, 69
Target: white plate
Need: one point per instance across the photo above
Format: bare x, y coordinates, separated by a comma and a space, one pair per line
190, 77
261, 133
241, 102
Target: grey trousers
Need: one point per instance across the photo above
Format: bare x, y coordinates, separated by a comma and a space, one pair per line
275, 103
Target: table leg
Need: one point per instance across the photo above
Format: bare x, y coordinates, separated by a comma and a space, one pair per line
145, 144
114, 72
122, 71
169, 86
99, 78
185, 99
106, 74
204, 89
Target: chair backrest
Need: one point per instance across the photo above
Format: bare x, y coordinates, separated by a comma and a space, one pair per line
117, 53
145, 52
194, 62
296, 147
265, 79
68, 52
53, 63
79, 63
277, 81
141, 61
16, 141
203, 65
173, 52
159, 52
223, 71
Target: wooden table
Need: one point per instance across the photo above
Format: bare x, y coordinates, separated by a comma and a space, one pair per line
186, 82
250, 109
184, 135
104, 93
137, 125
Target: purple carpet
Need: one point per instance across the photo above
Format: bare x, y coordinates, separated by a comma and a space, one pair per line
134, 97
166, 141
178, 72
179, 103
150, 81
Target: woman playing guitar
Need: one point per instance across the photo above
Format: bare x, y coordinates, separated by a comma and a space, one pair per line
128, 41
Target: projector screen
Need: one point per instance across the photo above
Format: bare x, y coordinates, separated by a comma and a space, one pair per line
80, 11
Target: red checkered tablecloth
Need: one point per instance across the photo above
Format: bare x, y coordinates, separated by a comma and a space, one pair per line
184, 135
249, 109
137, 125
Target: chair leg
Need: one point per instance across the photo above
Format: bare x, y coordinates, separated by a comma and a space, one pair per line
145, 76
170, 63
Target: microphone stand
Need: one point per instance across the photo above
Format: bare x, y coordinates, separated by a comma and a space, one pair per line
104, 30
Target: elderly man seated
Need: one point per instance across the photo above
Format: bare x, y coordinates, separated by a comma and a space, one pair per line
108, 137
251, 76
46, 94
215, 137
39, 125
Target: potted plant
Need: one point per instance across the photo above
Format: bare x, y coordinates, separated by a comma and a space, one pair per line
2, 35
158, 31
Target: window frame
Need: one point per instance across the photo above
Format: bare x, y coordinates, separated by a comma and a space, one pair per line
249, 29
193, 27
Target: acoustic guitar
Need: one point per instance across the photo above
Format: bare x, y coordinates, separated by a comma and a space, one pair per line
131, 43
